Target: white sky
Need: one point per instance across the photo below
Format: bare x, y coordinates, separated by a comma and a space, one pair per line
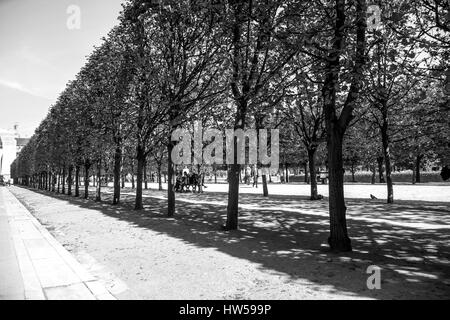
39, 54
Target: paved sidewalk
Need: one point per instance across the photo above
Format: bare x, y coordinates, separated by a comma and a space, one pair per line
33, 265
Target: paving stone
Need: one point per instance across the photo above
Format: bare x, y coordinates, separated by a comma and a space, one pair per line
54, 272
33, 265
77, 291
40, 249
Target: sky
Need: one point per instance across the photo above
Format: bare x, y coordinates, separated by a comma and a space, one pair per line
41, 49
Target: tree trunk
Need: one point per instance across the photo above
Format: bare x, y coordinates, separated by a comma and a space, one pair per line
352, 169
306, 173
159, 177
117, 169
53, 181
140, 156
373, 175
63, 182
264, 183
336, 126
86, 179
200, 178
77, 181
387, 160
145, 176
234, 172
338, 240
287, 172
133, 186
170, 182
418, 160
59, 181
233, 196
98, 195
69, 181
380, 170
312, 171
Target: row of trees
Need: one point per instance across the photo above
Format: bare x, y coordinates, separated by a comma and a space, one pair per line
333, 76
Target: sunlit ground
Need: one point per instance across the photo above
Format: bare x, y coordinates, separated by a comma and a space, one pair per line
279, 252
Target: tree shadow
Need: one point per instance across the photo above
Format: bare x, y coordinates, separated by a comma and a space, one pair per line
288, 235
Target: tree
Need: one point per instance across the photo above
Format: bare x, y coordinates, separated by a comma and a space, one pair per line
307, 117
336, 125
186, 41
251, 31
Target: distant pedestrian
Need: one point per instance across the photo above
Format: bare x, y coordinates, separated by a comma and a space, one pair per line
255, 180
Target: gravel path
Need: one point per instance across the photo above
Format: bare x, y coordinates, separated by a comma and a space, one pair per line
278, 253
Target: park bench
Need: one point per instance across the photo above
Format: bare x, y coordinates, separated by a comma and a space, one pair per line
322, 176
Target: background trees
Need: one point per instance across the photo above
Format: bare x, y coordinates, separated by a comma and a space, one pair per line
378, 97
306, 114
258, 53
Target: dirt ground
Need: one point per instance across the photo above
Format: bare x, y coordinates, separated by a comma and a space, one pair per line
280, 251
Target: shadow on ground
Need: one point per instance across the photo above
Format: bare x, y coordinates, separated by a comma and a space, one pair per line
409, 241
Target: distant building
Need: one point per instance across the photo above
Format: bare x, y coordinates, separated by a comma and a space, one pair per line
10, 145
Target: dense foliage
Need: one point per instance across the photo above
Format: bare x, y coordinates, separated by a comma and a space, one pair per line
371, 86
